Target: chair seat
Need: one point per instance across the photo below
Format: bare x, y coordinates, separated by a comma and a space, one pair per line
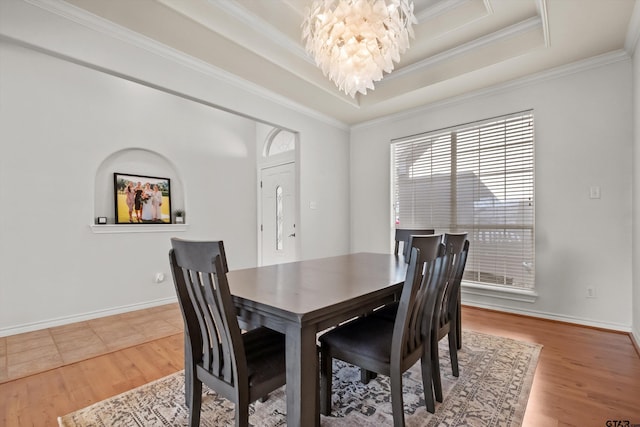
388, 311
264, 348
369, 337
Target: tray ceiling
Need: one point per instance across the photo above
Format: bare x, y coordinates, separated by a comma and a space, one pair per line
460, 45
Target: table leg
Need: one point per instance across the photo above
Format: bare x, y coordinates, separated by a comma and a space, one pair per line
302, 377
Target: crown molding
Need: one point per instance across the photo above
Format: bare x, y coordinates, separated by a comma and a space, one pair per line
541, 5
562, 71
114, 31
441, 7
295, 5
248, 18
266, 31
633, 31
508, 32
110, 29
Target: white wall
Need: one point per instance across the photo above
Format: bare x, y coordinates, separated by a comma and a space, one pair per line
61, 117
59, 121
584, 137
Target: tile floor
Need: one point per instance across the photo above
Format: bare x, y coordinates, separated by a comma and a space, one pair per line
38, 351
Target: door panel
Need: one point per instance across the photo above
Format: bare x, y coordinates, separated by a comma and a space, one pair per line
278, 214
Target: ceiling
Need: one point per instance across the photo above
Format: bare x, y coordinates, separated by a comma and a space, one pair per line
460, 45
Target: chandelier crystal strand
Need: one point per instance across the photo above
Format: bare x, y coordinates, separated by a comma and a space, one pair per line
355, 41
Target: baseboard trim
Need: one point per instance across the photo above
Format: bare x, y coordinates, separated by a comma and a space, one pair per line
34, 326
29, 327
634, 341
612, 327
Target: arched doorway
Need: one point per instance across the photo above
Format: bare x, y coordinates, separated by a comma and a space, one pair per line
278, 198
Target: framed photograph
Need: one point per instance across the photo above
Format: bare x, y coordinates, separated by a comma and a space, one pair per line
141, 199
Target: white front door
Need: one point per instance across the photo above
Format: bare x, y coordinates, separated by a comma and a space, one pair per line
278, 194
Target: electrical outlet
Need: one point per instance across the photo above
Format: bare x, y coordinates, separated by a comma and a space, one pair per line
591, 292
159, 278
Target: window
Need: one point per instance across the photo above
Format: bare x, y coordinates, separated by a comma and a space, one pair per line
476, 178
279, 141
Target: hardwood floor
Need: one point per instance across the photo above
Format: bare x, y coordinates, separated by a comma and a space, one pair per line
39, 399
584, 376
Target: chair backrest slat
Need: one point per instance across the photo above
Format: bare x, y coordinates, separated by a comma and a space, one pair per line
454, 242
195, 284
220, 345
457, 246
403, 234
429, 245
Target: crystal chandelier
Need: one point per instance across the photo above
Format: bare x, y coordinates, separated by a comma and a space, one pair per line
355, 41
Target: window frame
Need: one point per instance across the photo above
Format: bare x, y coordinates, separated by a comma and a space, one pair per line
525, 291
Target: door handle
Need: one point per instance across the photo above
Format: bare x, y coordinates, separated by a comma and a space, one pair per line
292, 235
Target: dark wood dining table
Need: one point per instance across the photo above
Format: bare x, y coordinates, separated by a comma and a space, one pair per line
303, 298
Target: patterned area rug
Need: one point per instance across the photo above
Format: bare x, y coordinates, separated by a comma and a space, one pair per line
492, 390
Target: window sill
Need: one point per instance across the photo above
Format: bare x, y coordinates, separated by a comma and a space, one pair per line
502, 292
137, 228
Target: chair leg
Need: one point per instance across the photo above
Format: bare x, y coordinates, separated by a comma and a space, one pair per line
317, 424
242, 415
427, 383
188, 368
397, 402
326, 379
458, 327
242, 412
453, 351
195, 402
366, 376
435, 370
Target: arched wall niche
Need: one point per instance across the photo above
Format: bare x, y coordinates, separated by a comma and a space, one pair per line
134, 161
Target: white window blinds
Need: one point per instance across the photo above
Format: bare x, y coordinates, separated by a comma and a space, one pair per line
477, 178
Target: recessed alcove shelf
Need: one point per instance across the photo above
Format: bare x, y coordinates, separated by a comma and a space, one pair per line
142, 162
137, 228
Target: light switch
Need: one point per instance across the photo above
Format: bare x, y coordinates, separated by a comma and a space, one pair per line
594, 192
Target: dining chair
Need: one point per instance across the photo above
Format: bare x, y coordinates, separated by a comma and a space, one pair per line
447, 312
403, 234
241, 367
390, 348
430, 249
211, 249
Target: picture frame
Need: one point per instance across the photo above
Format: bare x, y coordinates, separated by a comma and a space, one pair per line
141, 199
